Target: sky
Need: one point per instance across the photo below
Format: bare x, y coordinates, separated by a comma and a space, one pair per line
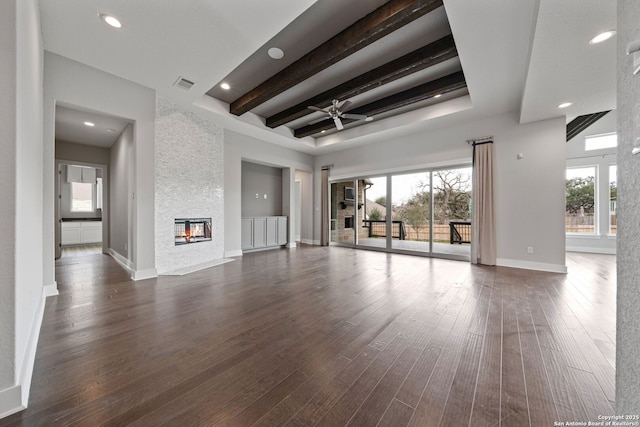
404, 186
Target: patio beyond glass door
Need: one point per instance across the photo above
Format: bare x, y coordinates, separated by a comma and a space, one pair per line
373, 229
452, 212
411, 212
343, 219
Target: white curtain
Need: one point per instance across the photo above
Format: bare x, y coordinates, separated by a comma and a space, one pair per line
324, 217
483, 230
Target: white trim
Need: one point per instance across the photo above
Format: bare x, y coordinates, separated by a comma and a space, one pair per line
51, 289
230, 254
16, 398
527, 265
591, 250
124, 263
310, 241
149, 273
11, 401
291, 245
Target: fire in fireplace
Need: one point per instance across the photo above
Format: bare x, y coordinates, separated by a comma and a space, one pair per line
192, 230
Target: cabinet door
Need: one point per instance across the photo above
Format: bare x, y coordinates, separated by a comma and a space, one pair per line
272, 231
246, 231
259, 232
282, 230
91, 232
70, 233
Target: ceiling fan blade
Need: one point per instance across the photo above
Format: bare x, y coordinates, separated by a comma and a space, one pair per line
338, 123
354, 116
311, 107
344, 104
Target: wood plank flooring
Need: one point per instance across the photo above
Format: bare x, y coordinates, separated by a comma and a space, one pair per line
326, 336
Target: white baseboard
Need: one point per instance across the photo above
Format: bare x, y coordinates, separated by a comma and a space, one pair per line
292, 245
607, 251
16, 398
51, 289
11, 401
149, 273
231, 254
310, 242
527, 265
124, 263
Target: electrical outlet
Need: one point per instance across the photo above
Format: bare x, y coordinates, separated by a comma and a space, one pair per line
530, 250
265, 197
257, 196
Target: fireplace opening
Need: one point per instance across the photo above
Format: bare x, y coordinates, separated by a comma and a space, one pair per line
192, 230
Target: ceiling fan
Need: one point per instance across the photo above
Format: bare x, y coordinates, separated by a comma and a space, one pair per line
336, 112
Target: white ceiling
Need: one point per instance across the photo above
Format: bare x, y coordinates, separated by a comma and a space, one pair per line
70, 127
509, 66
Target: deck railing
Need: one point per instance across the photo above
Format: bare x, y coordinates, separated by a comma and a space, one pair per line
378, 228
459, 232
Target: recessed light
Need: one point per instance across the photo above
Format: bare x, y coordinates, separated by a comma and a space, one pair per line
225, 86
369, 119
323, 131
111, 20
565, 105
90, 124
438, 95
111, 130
276, 53
602, 37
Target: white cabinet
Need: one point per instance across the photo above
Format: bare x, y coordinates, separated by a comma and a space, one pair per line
81, 232
263, 232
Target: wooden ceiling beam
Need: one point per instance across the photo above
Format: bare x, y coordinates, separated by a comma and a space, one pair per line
382, 21
419, 93
580, 123
419, 59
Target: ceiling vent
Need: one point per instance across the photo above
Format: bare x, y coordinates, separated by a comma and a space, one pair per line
184, 83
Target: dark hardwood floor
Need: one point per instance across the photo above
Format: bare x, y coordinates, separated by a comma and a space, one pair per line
326, 336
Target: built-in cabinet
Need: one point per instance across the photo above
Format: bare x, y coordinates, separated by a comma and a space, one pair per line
263, 232
81, 232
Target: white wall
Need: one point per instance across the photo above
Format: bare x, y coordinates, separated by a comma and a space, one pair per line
577, 156
239, 147
73, 84
21, 292
8, 112
628, 297
529, 192
120, 187
189, 184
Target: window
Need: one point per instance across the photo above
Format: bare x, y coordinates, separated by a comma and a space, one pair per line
98, 193
580, 212
81, 197
598, 142
613, 199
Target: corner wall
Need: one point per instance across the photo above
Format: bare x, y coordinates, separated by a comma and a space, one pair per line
529, 192
22, 296
189, 184
628, 299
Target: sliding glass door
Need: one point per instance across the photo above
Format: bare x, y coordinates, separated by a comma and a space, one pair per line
424, 212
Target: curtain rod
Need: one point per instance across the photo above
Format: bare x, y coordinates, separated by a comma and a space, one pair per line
484, 138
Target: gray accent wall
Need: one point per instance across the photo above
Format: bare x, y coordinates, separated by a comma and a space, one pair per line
628, 251
261, 190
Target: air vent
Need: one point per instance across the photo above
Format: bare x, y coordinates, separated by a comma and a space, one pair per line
184, 83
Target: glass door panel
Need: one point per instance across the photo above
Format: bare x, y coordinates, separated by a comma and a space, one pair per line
411, 212
343, 212
373, 212
452, 211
